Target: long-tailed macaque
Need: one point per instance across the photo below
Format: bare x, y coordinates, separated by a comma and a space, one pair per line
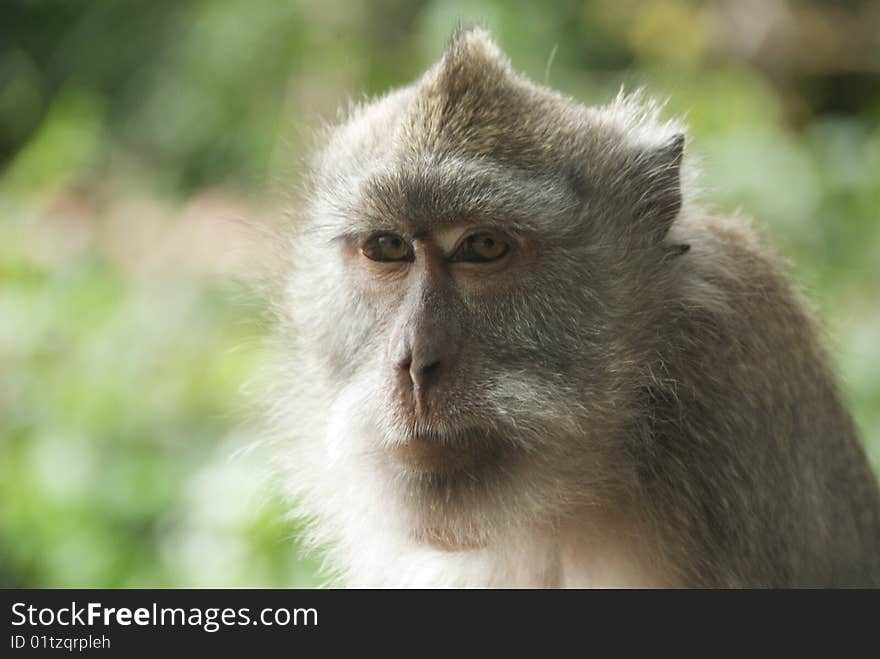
517, 352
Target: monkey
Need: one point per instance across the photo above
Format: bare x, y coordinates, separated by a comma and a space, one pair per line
515, 350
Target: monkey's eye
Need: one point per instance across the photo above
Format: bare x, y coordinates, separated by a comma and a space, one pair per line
387, 247
482, 247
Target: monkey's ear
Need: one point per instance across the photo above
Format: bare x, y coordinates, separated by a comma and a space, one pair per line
660, 196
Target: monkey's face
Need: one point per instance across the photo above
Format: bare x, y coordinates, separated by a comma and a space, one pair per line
456, 300
460, 347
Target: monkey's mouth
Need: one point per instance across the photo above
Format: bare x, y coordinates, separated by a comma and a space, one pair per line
446, 453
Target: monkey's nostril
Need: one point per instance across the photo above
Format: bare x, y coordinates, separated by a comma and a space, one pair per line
424, 376
430, 367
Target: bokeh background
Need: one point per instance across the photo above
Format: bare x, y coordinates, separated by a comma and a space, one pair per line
138, 138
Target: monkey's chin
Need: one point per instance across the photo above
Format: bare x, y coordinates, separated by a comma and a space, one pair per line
445, 484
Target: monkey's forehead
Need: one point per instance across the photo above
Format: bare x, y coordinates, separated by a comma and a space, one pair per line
420, 193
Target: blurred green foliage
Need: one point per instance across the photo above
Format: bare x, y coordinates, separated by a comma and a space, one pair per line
131, 133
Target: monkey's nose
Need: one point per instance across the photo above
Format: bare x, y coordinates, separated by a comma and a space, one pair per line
420, 374
422, 357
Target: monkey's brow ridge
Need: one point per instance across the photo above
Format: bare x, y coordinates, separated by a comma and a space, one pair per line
412, 199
